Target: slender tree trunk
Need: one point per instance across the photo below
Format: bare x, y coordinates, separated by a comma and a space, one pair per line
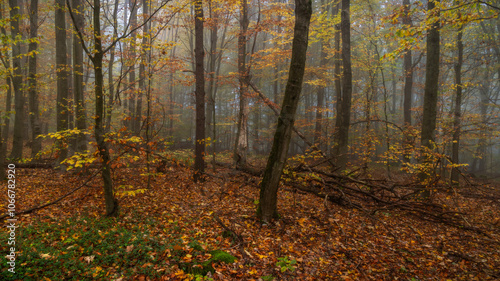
97, 59
408, 86
36, 144
337, 77
142, 67
431, 89
5, 121
210, 114
320, 98
131, 77
267, 208
344, 114
241, 145
111, 84
71, 95
62, 73
199, 161
80, 118
17, 81
458, 104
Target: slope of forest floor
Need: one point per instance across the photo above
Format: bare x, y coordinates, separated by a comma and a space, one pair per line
174, 230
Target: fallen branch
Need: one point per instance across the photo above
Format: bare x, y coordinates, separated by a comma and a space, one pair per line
53, 202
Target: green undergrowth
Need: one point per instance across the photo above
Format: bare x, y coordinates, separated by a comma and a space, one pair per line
103, 249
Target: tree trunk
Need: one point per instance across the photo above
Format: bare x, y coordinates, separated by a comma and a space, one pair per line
458, 103
142, 68
241, 145
199, 161
80, 122
61, 73
17, 82
408, 86
267, 208
36, 143
431, 89
210, 114
344, 110
131, 77
320, 98
111, 85
8, 99
111, 202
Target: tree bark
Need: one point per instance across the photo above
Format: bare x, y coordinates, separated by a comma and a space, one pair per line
36, 145
80, 118
408, 85
458, 104
111, 85
131, 77
241, 145
8, 98
97, 59
142, 67
61, 73
199, 161
17, 82
267, 208
344, 107
431, 88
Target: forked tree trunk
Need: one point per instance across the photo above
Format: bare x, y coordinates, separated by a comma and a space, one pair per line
267, 208
97, 59
199, 161
241, 145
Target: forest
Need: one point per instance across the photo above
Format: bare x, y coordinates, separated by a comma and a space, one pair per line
250, 139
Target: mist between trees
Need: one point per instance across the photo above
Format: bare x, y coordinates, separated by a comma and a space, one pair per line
395, 86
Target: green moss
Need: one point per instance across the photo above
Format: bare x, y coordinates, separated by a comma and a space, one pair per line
221, 256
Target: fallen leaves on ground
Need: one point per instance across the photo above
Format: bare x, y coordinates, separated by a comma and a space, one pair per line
312, 240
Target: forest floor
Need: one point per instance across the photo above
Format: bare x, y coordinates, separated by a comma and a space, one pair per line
179, 230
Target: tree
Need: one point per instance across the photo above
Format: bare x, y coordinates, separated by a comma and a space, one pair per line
241, 145
8, 98
431, 86
344, 108
142, 67
80, 116
267, 208
17, 81
111, 84
408, 80
199, 72
458, 104
131, 77
36, 145
61, 73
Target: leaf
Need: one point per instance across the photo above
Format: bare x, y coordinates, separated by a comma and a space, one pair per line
89, 259
129, 248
